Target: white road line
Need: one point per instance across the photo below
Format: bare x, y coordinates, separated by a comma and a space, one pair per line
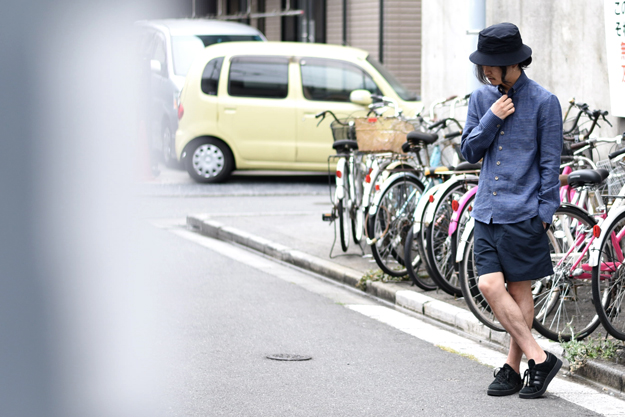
578, 394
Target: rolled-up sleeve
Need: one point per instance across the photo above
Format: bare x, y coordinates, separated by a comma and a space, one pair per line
478, 133
550, 147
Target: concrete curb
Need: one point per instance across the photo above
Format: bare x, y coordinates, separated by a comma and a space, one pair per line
611, 375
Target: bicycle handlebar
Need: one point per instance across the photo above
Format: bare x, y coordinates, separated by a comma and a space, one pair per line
616, 153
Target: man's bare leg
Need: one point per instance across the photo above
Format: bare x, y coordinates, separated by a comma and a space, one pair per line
515, 316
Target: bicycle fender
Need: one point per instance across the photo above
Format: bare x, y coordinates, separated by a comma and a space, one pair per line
462, 244
422, 206
431, 211
595, 249
340, 191
455, 217
387, 183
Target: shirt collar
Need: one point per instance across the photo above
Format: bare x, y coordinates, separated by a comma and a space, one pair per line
518, 85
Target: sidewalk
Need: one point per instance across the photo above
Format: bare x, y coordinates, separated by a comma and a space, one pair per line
304, 243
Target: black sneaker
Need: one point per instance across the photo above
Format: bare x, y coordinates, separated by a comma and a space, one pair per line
507, 382
538, 377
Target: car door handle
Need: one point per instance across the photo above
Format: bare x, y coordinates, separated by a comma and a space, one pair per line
230, 110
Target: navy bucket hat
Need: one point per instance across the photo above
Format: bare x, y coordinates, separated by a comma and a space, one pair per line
500, 45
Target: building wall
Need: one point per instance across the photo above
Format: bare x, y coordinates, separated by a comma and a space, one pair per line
273, 25
363, 22
334, 22
567, 40
402, 41
444, 49
402, 34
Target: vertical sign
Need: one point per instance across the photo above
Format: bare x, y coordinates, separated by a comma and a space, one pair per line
615, 46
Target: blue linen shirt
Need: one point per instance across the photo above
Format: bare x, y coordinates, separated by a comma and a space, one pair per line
521, 154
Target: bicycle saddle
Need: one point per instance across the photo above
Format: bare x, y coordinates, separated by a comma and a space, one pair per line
467, 166
416, 137
584, 177
344, 145
434, 171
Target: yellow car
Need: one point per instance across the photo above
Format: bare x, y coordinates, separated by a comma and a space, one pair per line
252, 105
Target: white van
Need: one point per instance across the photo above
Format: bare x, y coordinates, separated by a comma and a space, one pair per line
169, 47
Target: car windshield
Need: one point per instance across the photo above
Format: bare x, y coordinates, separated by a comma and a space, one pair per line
186, 48
399, 88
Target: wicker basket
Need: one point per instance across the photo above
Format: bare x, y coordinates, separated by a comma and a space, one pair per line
386, 134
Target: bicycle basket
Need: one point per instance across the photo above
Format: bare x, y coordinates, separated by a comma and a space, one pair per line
343, 129
616, 180
386, 134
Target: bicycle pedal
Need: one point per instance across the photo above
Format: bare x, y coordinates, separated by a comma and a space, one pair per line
327, 217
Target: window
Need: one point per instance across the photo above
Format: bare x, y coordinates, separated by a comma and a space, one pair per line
259, 76
210, 76
399, 88
333, 80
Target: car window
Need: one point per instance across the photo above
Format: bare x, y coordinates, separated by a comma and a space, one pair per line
159, 53
210, 76
333, 80
399, 88
258, 76
186, 48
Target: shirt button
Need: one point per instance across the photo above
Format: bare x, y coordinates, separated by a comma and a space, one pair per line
501, 147
494, 192
496, 178
498, 162
498, 125
501, 132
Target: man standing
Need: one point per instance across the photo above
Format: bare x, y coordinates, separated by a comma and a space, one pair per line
515, 126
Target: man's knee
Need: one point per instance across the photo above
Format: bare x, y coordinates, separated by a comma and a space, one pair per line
491, 284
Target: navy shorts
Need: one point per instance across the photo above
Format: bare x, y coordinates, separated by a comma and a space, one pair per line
519, 250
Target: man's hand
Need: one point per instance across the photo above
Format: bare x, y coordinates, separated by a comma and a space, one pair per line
503, 107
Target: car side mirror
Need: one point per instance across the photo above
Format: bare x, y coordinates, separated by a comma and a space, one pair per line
155, 66
362, 97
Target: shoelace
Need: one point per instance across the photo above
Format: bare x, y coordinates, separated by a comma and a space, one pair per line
528, 377
501, 374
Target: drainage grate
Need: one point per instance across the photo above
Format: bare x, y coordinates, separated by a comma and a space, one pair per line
288, 357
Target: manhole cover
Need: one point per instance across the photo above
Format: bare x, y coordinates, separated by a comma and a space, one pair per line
288, 357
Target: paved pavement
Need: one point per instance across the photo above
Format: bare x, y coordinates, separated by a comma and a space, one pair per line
302, 239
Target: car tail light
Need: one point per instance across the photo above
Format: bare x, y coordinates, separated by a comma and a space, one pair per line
180, 111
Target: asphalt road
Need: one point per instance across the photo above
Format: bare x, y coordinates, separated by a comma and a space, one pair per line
223, 309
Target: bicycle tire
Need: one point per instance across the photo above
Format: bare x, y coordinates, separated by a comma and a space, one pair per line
389, 226
343, 216
414, 264
608, 280
469, 280
439, 247
563, 302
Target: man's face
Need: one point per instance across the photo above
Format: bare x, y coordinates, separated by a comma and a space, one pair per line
493, 74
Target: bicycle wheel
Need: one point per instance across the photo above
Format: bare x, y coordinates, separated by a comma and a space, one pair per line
563, 305
414, 264
608, 279
356, 214
439, 248
390, 225
469, 279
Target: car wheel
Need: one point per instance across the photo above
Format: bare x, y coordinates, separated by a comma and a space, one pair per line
209, 161
167, 142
